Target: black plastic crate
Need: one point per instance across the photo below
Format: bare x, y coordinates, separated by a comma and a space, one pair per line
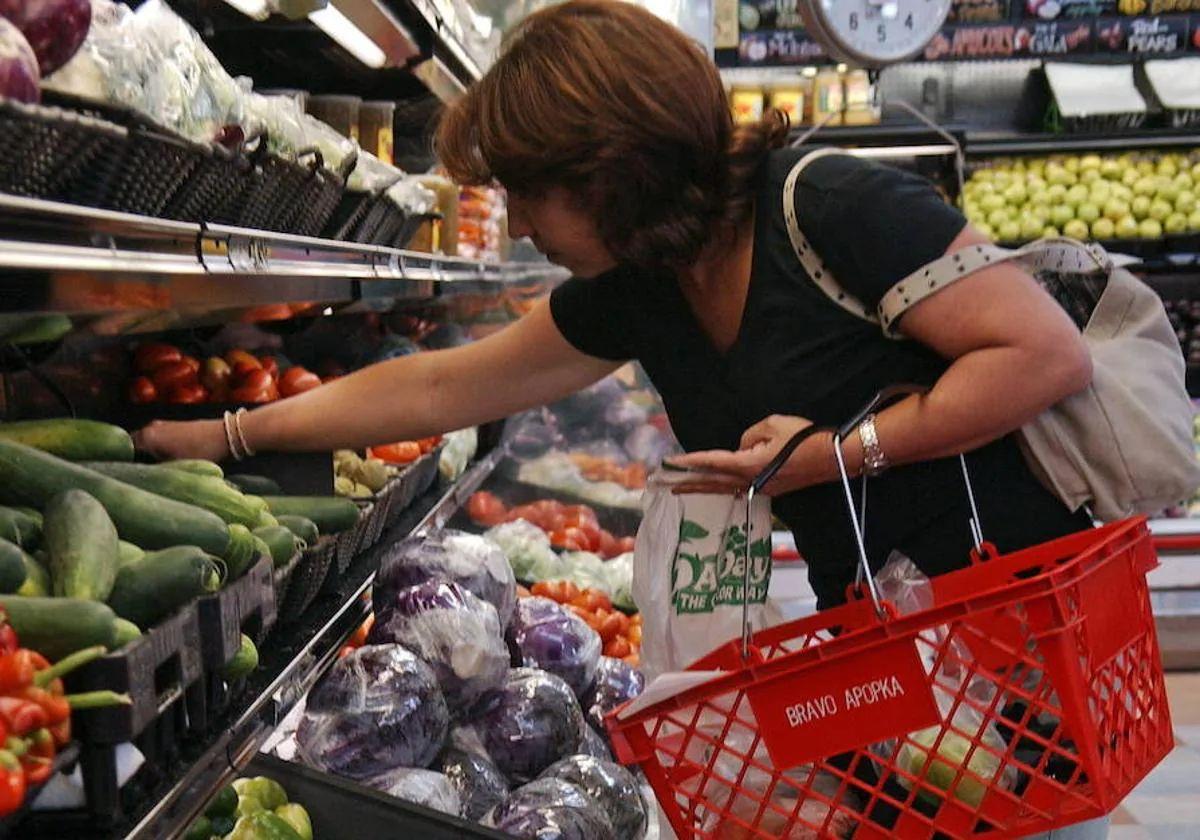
308, 578
343, 810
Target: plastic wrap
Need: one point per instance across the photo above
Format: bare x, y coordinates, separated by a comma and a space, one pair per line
479, 783
95, 71
424, 787
616, 682
473, 562
551, 809
460, 448
907, 587
457, 634
535, 721
545, 635
334, 148
611, 787
532, 434
372, 175
594, 744
378, 708
528, 550
280, 118
411, 196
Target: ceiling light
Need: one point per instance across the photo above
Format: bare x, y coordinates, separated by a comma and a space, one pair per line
341, 29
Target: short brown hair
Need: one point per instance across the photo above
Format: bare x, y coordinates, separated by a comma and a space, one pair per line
625, 111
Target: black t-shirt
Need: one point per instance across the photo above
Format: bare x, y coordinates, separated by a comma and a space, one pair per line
799, 353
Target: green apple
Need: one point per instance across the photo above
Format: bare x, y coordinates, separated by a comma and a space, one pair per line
1056, 175
1145, 167
1127, 228
1089, 176
1050, 232
1057, 192
1140, 206
1185, 202
1071, 163
1088, 212
1060, 214
1176, 223
1160, 209
1002, 178
1077, 195
1194, 220
1110, 168
1184, 181
1196, 172
1168, 192
986, 230
1090, 161
1167, 166
1116, 209
1130, 176
1019, 166
1076, 229
991, 202
1103, 229
1145, 186
1040, 197
997, 218
983, 188
1122, 192
1031, 227
1148, 229
1100, 191
1009, 232
1016, 194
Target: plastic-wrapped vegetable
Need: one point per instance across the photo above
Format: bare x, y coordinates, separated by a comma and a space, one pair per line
611, 787
378, 708
535, 722
479, 783
54, 28
545, 635
528, 550
19, 78
473, 562
424, 787
457, 634
411, 196
619, 571
551, 809
460, 448
372, 175
593, 744
616, 682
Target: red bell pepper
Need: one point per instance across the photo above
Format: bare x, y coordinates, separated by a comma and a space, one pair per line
12, 783
38, 761
8, 638
20, 716
17, 671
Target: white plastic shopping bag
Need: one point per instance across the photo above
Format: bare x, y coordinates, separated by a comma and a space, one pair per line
689, 572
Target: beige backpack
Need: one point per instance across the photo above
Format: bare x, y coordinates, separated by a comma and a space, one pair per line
1124, 444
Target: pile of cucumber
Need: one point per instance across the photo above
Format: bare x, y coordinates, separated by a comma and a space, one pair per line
95, 549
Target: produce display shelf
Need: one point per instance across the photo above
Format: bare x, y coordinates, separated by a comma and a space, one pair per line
138, 262
989, 144
289, 665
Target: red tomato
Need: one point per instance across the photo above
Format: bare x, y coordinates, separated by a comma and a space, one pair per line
269, 365
142, 390
173, 374
297, 380
618, 648
610, 627
624, 545
249, 395
256, 378
236, 356
429, 444
570, 539
359, 637
193, 363
579, 514
593, 600
404, 452
592, 533
607, 546
187, 394
151, 356
486, 508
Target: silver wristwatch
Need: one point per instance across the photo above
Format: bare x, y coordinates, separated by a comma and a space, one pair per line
874, 461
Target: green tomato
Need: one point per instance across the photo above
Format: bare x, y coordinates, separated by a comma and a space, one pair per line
1060, 214
1186, 202
1176, 223
1127, 228
1076, 229
1140, 206
1116, 209
1103, 229
1050, 232
1111, 169
1010, 231
1148, 229
1088, 212
1161, 209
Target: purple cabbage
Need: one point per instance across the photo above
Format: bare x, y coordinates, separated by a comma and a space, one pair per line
593, 744
54, 28
616, 682
457, 634
546, 635
427, 788
551, 809
479, 783
19, 76
612, 788
474, 563
535, 721
378, 708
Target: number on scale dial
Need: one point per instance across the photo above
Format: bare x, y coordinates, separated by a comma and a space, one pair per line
873, 33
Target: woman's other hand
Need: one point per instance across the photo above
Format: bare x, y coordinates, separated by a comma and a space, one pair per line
170, 440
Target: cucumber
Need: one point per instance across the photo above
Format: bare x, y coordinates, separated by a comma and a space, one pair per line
56, 627
257, 484
152, 588
329, 513
128, 553
195, 466
282, 543
81, 543
266, 520
37, 579
32, 513
127, 632
302, 527
75, 440
33, 329
244, 662
261, 549
223, 804
18, 527
30, 476
243, 553
13, 570
203, 491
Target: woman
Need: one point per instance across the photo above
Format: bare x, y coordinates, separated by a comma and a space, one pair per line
612, 135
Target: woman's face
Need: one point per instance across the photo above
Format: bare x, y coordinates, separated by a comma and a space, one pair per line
560, 229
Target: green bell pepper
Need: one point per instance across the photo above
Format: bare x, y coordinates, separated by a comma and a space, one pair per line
267, 791
294, 815
263, 826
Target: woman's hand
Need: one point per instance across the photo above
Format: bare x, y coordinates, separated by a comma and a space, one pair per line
731, 472
169, 440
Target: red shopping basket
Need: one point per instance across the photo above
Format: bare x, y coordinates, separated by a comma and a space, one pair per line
858, 721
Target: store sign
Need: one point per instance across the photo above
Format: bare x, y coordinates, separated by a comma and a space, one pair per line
792, 46
971, 42
978, 11
1156, 7
1059, 9
760, 15
1152, 36
1053, 38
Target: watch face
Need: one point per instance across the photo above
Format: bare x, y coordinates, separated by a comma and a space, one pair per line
877, 32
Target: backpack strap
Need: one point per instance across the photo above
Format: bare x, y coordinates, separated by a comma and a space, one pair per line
805, 252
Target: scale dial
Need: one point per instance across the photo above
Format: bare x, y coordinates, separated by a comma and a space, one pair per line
874, 33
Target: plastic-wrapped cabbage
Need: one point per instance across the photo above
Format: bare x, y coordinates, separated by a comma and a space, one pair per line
551, 809
611, 787
619, 571
586, 570
424, 787
334, 148
528, 550
372, 175
545, 635
377, 708
108, 53
457, 634
616, 682
479, 783
282, 120
593, 744
460, 448
473, 562
411, 196
535, 721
